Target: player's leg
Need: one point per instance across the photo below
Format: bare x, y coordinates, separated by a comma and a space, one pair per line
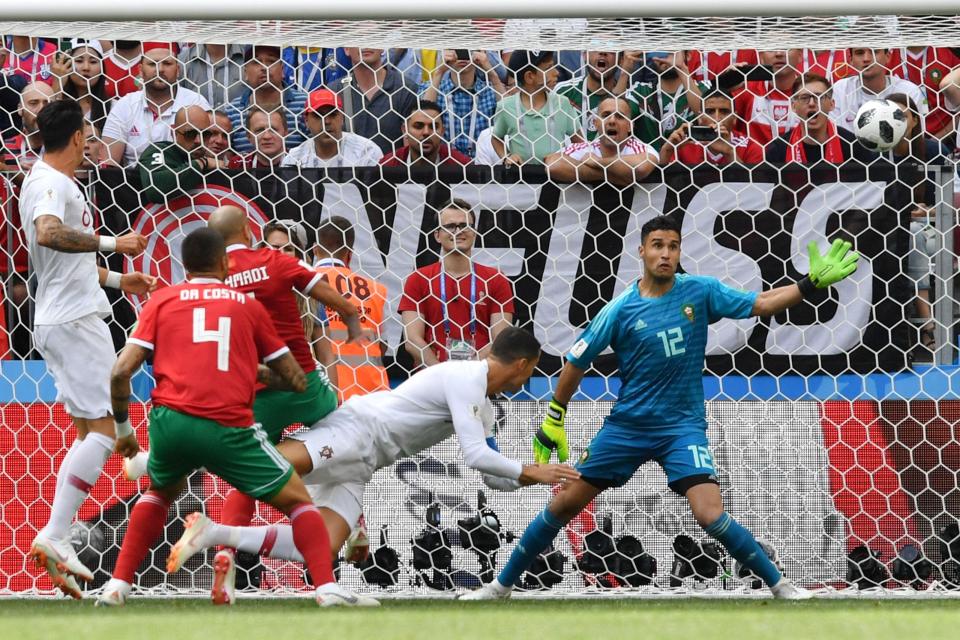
612, 457
690, 473
80, 356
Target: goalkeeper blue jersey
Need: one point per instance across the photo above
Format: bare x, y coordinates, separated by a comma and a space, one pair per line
660, 345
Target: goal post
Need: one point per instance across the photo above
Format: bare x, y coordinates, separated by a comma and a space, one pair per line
833, 428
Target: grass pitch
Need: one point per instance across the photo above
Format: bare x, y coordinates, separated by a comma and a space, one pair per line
146, 619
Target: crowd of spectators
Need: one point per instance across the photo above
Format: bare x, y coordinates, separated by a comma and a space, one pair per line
176, 111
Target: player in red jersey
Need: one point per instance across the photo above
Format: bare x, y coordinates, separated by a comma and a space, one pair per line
208, 340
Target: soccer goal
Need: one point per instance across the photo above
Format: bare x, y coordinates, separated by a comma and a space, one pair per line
835, 429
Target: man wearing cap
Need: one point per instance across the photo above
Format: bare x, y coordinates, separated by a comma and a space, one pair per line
144, 117
330, 145
263, 77
172, 168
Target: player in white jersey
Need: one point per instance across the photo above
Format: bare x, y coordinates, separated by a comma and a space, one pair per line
69, 331
340, 454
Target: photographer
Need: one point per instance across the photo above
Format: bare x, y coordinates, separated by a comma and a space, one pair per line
715, 137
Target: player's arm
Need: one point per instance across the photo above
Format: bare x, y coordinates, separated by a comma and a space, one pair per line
283, 372
827, 270
134, 283
53, 234
623, 170
128, 363
323, 293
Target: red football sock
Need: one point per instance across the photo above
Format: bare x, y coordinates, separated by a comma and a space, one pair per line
146, 524
238, 509
312, 540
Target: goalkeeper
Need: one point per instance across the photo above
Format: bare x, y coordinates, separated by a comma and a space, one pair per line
658, 331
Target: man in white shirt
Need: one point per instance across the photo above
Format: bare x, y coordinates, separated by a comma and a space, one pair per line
69, 330
340, 454
330, 145
141, 118
872, 82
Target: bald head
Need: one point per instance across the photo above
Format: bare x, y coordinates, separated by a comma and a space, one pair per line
231, 223
34, 97
189, 125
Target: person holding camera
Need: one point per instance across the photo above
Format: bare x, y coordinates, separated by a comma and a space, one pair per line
660, 107
715, 137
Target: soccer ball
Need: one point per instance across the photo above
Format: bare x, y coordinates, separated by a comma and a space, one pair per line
89, 543
880, 125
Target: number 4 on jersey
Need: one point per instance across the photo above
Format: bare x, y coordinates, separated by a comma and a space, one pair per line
221, 335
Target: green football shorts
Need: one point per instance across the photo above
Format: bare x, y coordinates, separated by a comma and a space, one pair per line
276, 410
244, 457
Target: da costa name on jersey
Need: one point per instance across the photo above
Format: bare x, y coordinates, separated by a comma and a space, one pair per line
250, 276
213, 294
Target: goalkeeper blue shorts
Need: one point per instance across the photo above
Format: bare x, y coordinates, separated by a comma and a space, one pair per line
616, 452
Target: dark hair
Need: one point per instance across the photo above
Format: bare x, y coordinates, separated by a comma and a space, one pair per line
425, 105
462, 205
100, 102
254, 109
514, 343
58, 121
807, 78
335, 235
659, 223
918, 144
292, 229
202, 250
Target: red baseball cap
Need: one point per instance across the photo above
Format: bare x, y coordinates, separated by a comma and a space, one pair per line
172, 47
323, 98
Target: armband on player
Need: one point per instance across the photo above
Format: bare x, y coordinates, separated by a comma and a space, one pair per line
107, 243
113, 280
123, 428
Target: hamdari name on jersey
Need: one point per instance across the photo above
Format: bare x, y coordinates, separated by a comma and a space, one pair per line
250, 276
213, 294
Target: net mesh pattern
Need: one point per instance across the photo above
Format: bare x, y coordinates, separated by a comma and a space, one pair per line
833, 427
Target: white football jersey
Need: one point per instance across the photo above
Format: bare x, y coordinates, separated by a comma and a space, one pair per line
68, 284
429, 407
849, 95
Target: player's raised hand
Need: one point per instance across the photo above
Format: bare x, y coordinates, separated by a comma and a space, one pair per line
137, 283
131, 244
830, 269
551, 435
356, 334
547, 474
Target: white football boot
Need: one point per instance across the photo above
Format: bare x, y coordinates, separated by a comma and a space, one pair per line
114, 594
59, 558
224, 578
191, 542
786, 590
136, 467
490, 591
333, 595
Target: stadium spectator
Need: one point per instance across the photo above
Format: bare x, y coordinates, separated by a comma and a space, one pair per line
377, 100
93, 149
122, 65
10, 87
416, 65
217, 139
144, 117
85, 82
454, 308
602, 78
266, 132
309, 68
660, 107
615, 156
263, 75
569, 62
764, 105
24, 149
829, 63
29, 58
534, 122
817, 137
926, 67
168, 169
729, 144
486, 155
329, 145
705, 66
467, 91
871, 81
214, 71
423, 138
359, 367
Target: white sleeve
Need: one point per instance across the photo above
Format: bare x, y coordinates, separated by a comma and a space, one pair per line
466, 414
500, 484
51, 202
113, 127
374, 153
920, 99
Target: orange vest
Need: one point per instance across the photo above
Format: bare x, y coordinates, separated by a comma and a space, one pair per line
359, 368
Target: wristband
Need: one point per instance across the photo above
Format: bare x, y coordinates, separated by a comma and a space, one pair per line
107, 243
113, 280
123, 429
806, 286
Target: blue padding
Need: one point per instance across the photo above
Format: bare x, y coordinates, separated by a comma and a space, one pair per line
27, 381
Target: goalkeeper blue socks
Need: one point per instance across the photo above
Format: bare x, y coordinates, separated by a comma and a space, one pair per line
537, 537
741, 544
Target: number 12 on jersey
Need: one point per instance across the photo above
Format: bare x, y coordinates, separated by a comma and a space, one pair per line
672, 341
220, 335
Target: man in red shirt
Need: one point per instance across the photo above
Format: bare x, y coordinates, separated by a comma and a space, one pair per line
423, 141
730, 143
707, 65
453, 309
207, 341
122, 65
926, 68
765, 105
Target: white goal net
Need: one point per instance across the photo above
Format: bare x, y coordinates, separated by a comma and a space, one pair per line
834, 427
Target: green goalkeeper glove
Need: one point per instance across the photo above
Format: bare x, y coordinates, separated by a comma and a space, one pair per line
830, 269
551, 435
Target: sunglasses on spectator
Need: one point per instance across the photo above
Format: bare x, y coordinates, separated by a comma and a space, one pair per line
455, 227
189, 134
